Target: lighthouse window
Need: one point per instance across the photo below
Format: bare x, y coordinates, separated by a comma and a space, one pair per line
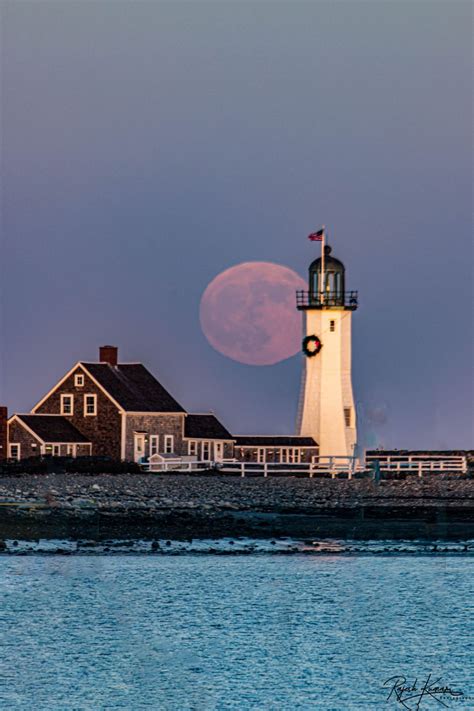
347, 416
332, 325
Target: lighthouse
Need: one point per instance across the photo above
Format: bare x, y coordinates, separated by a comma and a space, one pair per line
326, 409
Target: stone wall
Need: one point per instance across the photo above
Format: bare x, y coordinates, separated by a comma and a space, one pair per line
103, 430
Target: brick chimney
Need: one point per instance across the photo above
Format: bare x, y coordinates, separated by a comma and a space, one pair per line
3, 433
108, 354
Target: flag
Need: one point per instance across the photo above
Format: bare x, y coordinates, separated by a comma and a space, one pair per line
316, 236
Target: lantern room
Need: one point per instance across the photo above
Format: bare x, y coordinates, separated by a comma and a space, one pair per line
327, 285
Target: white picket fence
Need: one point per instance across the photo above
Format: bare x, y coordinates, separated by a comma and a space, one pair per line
333, 466
176, 465
419, 463
323, 465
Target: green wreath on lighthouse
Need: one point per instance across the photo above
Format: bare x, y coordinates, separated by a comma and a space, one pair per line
311, 346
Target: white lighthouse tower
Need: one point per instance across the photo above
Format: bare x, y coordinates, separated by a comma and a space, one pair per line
326, 408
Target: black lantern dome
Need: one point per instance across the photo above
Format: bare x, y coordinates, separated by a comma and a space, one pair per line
332, 293
334, 286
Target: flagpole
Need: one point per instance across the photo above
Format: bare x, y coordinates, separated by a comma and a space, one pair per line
322, 285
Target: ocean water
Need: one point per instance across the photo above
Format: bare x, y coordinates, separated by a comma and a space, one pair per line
211, 632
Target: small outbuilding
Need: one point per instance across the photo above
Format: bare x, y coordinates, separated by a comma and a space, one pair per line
285, 449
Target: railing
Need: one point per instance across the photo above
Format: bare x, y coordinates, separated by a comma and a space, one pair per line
419, 463
332, 466
175, 465
323, 465
313, 300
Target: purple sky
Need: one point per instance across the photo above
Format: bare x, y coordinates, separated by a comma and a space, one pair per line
148, 146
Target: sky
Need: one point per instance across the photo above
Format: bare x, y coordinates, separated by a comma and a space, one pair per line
148, 146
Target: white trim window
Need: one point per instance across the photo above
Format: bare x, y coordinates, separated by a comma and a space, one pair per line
79, 380
67, 404
169, 444
261, 455
205, 451
56, 450
192, 448
154, 444
90, 405
14, 450
289, 455
71, 450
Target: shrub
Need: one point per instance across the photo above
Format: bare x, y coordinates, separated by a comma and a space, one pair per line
68, 465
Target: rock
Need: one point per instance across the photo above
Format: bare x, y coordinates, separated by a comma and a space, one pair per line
95, 487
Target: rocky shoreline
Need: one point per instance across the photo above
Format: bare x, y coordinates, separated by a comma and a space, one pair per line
183, 507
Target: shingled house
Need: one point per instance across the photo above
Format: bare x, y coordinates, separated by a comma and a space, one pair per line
122, 411
118, 410
35, 435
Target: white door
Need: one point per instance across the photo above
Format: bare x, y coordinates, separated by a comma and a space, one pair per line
218, 451
139, 447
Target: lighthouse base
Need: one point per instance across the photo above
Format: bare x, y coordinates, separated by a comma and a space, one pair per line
326, 409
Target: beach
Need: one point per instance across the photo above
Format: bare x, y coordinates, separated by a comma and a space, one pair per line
183, 507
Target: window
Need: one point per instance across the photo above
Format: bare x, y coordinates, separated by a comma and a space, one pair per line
15, 450
90, 405
347, 416
56, 450
169, 444
79, 380
71, 450
261, 456
192, 448
289, 455
332, 325
67, 405
206, 451
154, 444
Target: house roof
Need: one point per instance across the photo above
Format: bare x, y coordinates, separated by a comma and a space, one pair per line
273, 441
205, 427
133, 387
53, 428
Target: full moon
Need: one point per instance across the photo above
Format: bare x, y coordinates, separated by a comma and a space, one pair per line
248, 313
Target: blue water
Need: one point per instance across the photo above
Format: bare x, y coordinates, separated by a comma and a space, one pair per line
245, 632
